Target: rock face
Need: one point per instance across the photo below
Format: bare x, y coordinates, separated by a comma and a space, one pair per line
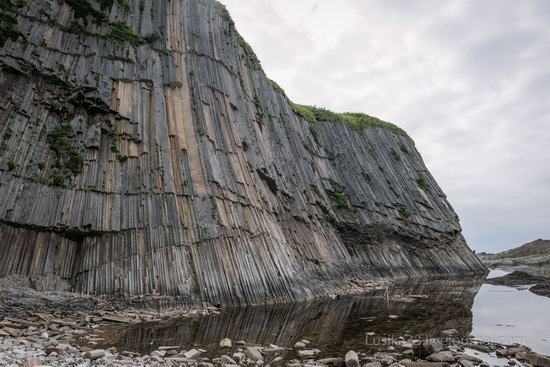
536, 253
143, 150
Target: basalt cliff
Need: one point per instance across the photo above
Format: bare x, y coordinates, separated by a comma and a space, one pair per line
144, 151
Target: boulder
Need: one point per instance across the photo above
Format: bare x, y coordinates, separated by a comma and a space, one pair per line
32, 362
352, 359
450, 332
441, 357
193, 353
225, 360
426, 364
466, 363
253, 353
424, 348
225, 343
94, 354
537, 360
239, 356
308, 352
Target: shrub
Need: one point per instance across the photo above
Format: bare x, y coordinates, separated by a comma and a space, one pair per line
303, 111
11, 165
313, 131
61, 142
338, 196
8, 134
422, 182
84, 10
276, 87
121, 32
395, 155
404, 212
9, 30
58, 178
357, 121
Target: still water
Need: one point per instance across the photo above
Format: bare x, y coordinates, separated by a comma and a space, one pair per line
410, 310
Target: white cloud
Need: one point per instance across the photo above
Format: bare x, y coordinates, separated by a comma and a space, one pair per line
468, 79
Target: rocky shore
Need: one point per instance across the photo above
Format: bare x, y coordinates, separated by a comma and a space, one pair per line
539, 285
532, 254
64, 329
38, 348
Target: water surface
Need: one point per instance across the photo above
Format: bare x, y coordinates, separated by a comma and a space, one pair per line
415, 309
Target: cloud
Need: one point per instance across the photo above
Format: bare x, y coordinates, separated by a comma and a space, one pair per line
469, 80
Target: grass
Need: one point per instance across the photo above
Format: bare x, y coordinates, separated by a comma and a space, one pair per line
121, 32
259, 109
422, 182
8, 134
84, 10
61, 142
314, 132
276, 87
338, 196
404, 212
357, 121
9, 30
58, 178
395, 155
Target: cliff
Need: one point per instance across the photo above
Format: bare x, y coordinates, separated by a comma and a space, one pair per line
536, 253
143, 150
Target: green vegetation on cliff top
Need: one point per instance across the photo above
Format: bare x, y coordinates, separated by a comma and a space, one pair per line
356, 121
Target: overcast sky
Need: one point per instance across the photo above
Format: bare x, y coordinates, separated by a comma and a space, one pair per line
469, 80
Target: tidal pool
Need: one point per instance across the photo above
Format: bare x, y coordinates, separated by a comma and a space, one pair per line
410, 310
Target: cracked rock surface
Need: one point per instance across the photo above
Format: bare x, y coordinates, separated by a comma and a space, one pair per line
143, 150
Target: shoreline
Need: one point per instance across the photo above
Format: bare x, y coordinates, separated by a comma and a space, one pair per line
66, 329
41, 350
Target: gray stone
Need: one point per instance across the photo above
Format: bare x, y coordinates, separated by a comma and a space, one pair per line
537, 360
94, 354
470, 358
239, 356
449, 332
441, 357
424, 348
352, 359
253, 353
308, 352
227, 360
193, 353
225, 343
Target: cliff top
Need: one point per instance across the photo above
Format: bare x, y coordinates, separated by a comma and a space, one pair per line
535, 248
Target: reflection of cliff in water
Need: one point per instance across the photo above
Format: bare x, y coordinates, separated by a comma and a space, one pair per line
332, 325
